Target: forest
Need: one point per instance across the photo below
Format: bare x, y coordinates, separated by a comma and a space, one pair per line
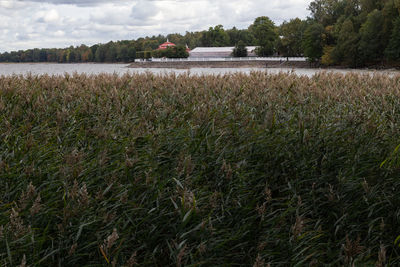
354, 33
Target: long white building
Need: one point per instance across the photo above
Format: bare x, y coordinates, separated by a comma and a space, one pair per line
218, 52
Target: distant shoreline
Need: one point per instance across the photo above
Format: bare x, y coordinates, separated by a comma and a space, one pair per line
220, 64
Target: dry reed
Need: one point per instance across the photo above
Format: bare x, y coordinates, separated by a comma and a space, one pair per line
224, 170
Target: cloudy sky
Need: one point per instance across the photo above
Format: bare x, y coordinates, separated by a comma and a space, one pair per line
61, 23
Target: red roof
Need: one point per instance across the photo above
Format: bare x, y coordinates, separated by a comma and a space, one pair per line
166, 45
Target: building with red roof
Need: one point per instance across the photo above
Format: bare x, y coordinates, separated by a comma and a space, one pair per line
166, 45
169, 44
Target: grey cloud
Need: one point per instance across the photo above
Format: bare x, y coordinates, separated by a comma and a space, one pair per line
143, 10
77, 2
21, 37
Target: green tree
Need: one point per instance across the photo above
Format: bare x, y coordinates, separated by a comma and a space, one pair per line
368, 6
36, 55
291, 37
140, 54
43, 55
390, 14
176, 38
180, 52
346, 50
240, 50
371, 44
131, 53
122, 54
28, 55
147, 54
313, 42
71, 55
215, 37
392, 52
193, 39
94, 49
172, 52
236, 35
264, 32
52, 55
326, 12
100, 54
111, 52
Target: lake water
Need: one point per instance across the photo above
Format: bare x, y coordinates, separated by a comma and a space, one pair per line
60, 69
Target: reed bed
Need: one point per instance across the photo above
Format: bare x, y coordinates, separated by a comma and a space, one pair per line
182, 170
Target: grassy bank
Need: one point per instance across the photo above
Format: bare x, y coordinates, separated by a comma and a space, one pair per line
235, 170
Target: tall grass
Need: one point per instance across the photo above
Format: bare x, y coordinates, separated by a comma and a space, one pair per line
227, 170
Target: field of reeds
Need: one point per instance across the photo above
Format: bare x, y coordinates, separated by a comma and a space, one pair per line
233, 170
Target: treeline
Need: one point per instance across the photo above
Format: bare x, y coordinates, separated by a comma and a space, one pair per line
262, 33
285, 40
352, 33
110, 52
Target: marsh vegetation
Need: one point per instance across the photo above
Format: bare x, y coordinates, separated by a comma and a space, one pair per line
199, 170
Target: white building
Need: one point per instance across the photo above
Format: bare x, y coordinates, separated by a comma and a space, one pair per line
218, 52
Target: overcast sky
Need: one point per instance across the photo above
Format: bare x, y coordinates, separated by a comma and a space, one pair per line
61, 23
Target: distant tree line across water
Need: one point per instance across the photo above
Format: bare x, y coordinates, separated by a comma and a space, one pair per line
352, 33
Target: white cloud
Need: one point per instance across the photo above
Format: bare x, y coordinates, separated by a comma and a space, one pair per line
48, 16
51, 16
59, 33
61, 23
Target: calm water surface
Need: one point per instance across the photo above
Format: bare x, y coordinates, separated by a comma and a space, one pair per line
60, 69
